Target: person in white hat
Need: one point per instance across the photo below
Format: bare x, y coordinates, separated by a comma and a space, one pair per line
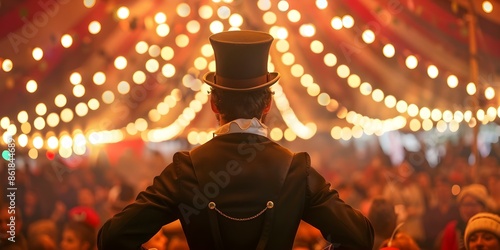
240, 190
483, 232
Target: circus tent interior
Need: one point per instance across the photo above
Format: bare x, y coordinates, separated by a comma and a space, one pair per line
79, 78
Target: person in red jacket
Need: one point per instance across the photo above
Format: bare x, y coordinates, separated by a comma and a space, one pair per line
240, 190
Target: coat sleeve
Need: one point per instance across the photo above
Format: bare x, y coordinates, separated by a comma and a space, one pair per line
139, 221
339, 223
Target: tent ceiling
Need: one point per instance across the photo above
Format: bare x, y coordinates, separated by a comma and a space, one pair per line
435, 32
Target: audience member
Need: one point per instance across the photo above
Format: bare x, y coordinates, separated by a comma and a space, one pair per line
78, 236
407, 196
85, 215
32, 207
43, 235
42, 242
401, 241
483, 232
383, 218
86, 197
424, 181
494, 188
443, 210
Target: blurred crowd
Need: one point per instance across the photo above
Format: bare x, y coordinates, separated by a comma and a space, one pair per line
62, 206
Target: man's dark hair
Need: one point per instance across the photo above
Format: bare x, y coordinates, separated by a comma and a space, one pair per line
246, 104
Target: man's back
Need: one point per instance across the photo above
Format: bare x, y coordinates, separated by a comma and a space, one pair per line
241, 173
249, 179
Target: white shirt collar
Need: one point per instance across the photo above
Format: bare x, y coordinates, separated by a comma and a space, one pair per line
253, 126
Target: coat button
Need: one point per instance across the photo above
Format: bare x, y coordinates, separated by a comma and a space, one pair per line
211, 205
270, 204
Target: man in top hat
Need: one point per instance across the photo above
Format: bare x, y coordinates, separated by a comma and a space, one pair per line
240, 190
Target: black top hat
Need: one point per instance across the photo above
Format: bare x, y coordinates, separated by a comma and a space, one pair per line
241, 61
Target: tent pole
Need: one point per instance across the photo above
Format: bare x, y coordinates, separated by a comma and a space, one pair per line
474, 77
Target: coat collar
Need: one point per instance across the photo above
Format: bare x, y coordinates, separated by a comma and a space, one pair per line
253, 126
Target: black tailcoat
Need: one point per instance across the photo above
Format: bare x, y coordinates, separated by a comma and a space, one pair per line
240, 173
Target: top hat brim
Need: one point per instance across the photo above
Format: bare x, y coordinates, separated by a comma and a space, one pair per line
209, 78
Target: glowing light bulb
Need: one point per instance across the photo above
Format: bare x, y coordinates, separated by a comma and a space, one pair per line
487, 6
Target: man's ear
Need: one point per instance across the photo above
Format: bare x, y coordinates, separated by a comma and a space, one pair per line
268, 107
213, 106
